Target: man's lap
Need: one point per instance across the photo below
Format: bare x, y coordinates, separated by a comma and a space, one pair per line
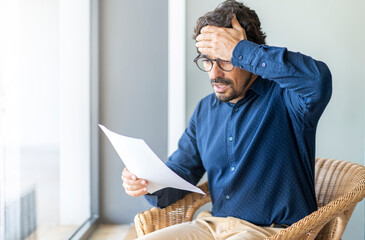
208, 227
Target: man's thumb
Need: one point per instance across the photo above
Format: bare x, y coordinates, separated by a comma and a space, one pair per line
235, 23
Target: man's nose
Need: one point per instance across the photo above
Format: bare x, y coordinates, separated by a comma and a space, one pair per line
215, 72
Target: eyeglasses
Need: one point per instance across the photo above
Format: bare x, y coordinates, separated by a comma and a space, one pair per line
206, 64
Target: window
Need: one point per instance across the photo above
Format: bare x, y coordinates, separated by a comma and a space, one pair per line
46, 118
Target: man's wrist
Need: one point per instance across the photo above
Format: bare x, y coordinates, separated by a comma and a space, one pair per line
243, 54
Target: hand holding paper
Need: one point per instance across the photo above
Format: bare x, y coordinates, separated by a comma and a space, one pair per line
143, 162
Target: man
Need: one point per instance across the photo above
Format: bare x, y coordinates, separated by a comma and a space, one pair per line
255, 136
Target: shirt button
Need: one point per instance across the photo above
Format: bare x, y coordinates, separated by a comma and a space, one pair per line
240, 66
236, 109
263, 64
232, 169
230, 139
227, 197
240, 57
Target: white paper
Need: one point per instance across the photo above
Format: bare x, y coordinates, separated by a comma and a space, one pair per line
144, 163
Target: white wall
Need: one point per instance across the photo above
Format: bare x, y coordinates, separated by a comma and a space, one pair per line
329, 30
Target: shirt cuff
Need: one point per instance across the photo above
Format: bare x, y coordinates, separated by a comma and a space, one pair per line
153, 198
244, 53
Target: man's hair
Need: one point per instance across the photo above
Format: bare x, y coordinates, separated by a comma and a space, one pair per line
222, 16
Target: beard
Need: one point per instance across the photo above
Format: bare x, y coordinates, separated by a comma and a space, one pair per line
231, 92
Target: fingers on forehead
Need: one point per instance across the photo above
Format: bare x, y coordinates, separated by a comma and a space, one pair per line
208, 28
204, 37
205, 51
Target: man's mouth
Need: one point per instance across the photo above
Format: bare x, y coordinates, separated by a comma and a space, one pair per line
219, 87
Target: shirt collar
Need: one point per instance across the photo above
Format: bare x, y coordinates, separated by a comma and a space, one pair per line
259, 86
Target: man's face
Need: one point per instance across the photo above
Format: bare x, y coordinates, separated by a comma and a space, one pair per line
230, 86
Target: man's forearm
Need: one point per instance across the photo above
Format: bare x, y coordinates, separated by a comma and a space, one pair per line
296, 72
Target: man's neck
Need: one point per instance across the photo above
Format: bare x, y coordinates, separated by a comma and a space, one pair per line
253, 78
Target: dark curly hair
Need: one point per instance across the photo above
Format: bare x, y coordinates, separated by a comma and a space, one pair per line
222, 16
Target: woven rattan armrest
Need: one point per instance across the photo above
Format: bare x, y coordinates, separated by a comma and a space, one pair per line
313, 226
181, 211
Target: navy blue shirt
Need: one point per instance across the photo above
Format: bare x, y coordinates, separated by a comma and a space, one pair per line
258, 153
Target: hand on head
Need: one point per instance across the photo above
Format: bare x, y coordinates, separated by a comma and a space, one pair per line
133, 186
219, 42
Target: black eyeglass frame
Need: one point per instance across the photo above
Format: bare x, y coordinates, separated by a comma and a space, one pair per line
211, 61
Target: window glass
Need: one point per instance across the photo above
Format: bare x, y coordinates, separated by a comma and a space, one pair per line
44, 118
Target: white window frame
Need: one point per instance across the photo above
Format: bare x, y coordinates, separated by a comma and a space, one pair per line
176, 72
89, 226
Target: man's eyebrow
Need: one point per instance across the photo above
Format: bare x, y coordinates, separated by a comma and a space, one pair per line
205, 56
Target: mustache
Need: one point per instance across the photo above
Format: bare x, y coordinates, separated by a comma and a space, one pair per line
221, 80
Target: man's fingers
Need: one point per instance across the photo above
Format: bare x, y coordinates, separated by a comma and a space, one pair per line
137, 193
203, 44
209, 29
132, 185
205, 51
139, 182
128, 175
204, 37
133, 188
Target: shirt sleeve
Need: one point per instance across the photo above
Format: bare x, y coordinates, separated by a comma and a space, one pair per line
185, 162
307, 83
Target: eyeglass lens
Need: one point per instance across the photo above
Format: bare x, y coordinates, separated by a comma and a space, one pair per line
206, 64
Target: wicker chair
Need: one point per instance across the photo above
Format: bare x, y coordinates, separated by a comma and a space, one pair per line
340, 185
